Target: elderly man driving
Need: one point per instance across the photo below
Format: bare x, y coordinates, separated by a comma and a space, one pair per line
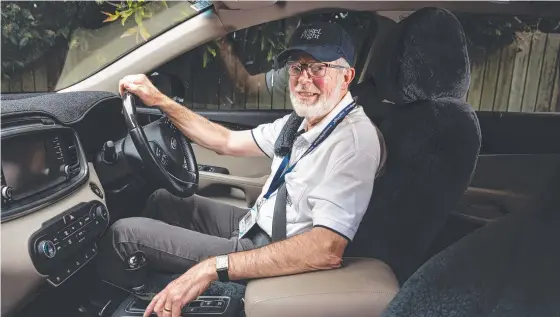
324, 160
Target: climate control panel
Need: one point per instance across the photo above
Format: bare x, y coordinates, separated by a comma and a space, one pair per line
67, 242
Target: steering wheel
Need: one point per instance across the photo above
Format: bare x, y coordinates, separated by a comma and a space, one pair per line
167, 156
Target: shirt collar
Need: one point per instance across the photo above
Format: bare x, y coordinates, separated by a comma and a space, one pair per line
314, 132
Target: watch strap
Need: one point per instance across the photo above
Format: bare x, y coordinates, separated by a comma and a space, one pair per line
221, 269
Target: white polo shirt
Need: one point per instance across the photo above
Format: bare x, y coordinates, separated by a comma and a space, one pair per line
331, 186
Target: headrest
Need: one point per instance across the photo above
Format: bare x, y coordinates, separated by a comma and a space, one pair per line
424, 57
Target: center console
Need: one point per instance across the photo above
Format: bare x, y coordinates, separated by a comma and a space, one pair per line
64, 244
219, 306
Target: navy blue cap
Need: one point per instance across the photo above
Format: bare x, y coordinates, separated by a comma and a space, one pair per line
325, 41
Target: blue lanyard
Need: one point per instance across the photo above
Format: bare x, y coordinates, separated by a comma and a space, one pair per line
279, 177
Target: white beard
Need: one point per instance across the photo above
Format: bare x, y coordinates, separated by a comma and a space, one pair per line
319, 108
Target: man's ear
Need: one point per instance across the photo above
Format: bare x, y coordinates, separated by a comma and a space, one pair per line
349, 76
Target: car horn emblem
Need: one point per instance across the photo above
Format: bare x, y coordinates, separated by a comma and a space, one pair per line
173, 143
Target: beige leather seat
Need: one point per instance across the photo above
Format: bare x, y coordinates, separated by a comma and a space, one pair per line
361, 287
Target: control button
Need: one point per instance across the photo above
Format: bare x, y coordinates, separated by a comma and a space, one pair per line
206, 309
47, 249
66, 233
58, 247
192, 309
55, 240
164, 160
159, 152
7, 192
87, 219
96, 190
69, 241
195, 303
65, 169
206, 303
68, 218
218, 303
100, 211
80, 223
68, 272
78, 263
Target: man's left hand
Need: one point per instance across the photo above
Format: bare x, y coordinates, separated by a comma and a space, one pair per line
183, 290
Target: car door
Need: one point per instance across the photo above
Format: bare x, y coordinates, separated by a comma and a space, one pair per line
515, 89
228, 80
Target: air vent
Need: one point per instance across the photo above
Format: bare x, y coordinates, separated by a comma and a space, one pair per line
72, 158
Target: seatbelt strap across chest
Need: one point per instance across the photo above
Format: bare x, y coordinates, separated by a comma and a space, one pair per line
278, 182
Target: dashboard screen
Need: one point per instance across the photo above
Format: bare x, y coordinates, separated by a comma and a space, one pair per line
26, 164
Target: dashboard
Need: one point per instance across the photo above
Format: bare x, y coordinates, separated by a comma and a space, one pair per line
54, 207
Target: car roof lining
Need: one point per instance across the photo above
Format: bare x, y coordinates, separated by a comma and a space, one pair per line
235, 20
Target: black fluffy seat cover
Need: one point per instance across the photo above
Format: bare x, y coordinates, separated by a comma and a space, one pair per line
507, 268
432, 138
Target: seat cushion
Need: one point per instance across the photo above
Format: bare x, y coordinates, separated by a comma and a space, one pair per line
361, 287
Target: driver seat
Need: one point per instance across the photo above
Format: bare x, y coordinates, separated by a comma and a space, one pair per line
433, 140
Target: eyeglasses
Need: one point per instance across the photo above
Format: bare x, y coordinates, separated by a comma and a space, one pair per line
313, 69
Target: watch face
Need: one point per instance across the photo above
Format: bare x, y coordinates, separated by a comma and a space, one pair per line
222, 262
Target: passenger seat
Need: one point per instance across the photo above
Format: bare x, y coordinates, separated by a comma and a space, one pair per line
433, 139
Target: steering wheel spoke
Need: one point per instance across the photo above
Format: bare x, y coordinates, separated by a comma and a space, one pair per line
167, 157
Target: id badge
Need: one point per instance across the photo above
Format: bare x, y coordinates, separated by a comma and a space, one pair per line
248, 222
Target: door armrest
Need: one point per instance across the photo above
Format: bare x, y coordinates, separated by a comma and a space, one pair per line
361, 287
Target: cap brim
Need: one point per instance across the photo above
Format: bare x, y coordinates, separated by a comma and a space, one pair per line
320, 53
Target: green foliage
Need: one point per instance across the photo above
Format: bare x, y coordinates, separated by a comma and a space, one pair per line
140, 10
30, 29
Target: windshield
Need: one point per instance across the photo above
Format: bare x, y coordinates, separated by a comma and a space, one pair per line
51, 45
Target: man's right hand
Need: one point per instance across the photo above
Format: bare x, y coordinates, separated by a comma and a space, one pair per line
197, 128
142, 87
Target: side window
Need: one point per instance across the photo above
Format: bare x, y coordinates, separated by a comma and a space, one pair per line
237, 72
515, 62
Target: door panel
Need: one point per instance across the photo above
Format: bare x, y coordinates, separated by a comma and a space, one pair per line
518, 153
504, 184
245, 174
233, 180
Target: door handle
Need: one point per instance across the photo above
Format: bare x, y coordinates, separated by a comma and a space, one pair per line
251, 186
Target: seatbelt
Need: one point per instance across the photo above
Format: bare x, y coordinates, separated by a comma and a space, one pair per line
279, 216
278, 182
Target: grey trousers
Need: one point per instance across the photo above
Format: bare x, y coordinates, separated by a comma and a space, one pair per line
173, 234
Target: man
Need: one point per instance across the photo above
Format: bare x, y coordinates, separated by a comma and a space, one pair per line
271, 86
328, 180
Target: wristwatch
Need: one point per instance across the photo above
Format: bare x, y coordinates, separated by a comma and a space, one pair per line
222, 266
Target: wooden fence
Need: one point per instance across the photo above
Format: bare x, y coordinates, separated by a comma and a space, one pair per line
40, 77
521, 77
